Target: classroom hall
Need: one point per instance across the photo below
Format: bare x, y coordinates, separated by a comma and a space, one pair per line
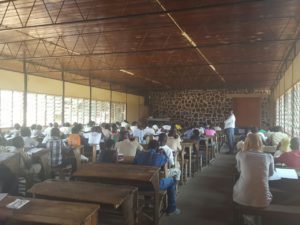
149, 112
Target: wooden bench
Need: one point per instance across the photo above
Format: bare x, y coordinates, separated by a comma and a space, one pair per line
272, 211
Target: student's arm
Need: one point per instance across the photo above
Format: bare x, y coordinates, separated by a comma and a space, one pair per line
238, 163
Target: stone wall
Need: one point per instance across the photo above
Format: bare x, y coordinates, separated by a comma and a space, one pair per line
191, 108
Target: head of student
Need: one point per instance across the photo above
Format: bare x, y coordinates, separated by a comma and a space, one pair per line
25, 132
253, 142
123, 135
173, 132
162, 139
17, 126
153, 144
55, 132
295, 144
18, 142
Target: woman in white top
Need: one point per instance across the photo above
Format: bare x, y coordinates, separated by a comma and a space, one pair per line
172, 171
255, 167
174, 142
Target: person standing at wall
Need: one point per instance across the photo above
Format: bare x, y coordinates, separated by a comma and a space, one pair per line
229, 125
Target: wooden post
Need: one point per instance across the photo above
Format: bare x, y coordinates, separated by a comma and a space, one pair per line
110, 105
25, 93
63, 98
90, 102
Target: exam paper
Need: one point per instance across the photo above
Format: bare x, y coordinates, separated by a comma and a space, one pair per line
17, 204
2, 196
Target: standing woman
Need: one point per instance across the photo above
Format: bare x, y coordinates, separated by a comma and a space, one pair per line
255, 167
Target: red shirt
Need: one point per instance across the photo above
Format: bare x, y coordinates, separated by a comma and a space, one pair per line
291, 159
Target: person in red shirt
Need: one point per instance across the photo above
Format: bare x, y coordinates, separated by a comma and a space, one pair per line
292, 158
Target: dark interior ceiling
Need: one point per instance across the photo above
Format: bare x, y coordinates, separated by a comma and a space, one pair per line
141, 45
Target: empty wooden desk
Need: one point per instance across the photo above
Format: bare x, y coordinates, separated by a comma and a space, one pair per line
123, 174
107, 195
50, 212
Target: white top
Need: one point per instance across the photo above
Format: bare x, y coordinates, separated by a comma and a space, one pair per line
174, 143
139, 134
30, 142
128, 148
149, 131
94, 138
252, 187
65, 130
169, 153
230, 122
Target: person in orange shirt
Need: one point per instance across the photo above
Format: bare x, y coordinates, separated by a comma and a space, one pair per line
74, 138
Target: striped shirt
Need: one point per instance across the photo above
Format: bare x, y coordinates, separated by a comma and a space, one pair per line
55, 147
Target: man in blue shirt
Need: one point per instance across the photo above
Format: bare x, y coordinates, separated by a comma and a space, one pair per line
156, 157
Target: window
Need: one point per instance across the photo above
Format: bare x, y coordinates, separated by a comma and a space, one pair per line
288, 119
103, 112
277, 112
296, 119
31, 109
17, 116
57, 109
6, 109
41, 110
118, 112
50, 109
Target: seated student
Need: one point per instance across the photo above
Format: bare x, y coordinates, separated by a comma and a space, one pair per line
154, 157
37, 132
126, 146
27, 167
209, 131
174, 142
57, 148
29, 142
14, 132
148, 131
66, 129
108, 154
138, 134
283, 146
292, 158
114, 132
74, 138
255, 167
172, 171
275, 137
94, 137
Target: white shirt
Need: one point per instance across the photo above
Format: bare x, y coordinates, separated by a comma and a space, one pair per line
149, 131
128, 148
29, 142
230, 122
94, 138
137, 133
169, 153
252, 187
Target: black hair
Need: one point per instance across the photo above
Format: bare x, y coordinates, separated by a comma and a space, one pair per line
17, 126
33, 127
162, 139
153, 144
25, 132
18, 142
55, 132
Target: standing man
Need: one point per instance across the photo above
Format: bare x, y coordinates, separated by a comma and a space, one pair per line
229, 126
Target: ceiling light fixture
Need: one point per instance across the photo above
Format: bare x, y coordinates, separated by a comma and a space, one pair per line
190, 40
127, 72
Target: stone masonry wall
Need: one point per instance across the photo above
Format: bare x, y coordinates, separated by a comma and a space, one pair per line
191, 108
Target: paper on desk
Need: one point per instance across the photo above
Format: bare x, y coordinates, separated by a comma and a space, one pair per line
2, 196
284, 173
17, 204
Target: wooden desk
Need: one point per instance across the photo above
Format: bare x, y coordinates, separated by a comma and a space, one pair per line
109, 196
126, 160
123, 174
50, 212
11, 160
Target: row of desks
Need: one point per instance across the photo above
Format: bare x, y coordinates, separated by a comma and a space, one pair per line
110, 193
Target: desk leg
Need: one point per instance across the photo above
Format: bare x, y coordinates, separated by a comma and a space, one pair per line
155, 184
190, 161
94, 154
129, 208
